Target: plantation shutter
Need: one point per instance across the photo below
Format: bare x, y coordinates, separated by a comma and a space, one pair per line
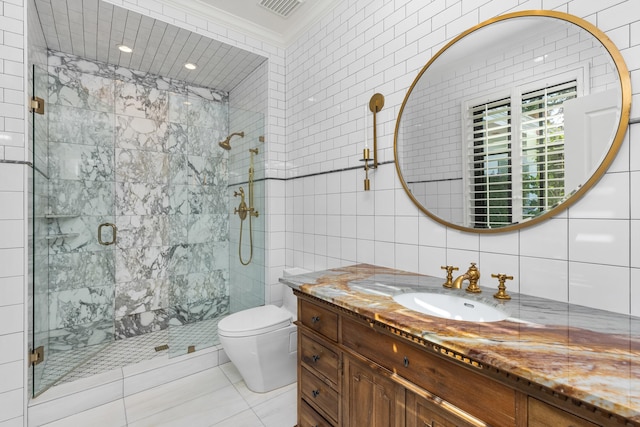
488, 161
542, 147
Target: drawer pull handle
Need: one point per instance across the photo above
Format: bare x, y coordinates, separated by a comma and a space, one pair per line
315, 393
315, 357
406, 362
315, 319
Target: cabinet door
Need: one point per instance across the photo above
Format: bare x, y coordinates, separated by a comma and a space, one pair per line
542, 415
422, 412
310, 418
370, 398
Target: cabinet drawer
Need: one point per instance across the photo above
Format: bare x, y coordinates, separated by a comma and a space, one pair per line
458, 385
318, 394
310, 418
321, 320
542, 415
319, 357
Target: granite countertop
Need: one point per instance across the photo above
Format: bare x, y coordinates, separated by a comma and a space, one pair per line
588, 354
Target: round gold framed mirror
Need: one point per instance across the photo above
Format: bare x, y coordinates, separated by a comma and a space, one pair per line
512, 121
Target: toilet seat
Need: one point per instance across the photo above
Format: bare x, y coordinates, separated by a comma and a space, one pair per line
254, 321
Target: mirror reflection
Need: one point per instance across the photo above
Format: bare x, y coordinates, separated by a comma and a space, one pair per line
508, 122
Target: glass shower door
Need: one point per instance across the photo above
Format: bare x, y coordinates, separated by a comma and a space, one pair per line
247, 237
74, 227
216, 282
38, 233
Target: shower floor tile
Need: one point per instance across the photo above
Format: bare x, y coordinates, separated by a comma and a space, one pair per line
66, 366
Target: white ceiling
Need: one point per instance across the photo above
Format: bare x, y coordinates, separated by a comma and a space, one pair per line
250, 18
93, 29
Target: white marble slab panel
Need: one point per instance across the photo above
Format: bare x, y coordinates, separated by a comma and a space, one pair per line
142, 134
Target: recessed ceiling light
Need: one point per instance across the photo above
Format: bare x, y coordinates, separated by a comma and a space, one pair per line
125, 48
190, 66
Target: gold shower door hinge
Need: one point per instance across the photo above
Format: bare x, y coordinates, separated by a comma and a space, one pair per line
37, 105
36, 356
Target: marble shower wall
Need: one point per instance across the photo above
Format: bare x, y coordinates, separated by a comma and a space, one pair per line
139, 151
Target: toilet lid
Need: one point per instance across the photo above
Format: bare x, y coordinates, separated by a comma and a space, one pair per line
254, 321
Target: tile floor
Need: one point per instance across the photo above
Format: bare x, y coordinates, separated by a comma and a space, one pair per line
217, 397
74, 364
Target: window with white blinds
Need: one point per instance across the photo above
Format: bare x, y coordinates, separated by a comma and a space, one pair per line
511, 175
542, 147
490, 165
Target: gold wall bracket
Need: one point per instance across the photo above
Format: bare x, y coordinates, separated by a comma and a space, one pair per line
375, 104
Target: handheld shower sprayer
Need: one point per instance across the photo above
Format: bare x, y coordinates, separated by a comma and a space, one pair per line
225, 143
242, 210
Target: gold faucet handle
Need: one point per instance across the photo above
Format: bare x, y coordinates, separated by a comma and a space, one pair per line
473, 274
450, 269
502, 288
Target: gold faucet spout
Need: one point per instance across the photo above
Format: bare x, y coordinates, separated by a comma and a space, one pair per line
472, 275
457, 283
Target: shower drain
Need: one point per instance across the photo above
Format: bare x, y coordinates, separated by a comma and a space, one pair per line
162, 347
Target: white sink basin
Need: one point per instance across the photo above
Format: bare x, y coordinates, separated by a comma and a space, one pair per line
450, 307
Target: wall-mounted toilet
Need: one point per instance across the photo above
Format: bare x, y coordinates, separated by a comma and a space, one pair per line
262, 342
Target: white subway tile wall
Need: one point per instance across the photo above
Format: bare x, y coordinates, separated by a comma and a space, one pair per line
12, 213
364, 47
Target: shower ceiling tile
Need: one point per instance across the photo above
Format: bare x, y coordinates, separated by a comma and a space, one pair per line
92, 29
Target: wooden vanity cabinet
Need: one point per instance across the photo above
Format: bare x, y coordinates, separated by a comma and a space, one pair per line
352, 373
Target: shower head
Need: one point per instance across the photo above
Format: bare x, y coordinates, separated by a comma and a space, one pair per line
225, 144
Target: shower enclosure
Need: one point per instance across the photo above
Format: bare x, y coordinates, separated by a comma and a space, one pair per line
133, 241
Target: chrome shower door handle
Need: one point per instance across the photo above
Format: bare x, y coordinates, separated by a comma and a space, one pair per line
114, 233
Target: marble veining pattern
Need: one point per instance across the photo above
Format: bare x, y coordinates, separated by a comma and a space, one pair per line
587, 354
81, 335
142, 323
82, 234
80, 83
75, 197
140, 296
76, 306
141, 100
81, 162
142, 198
79, 126
139, 151
142, 134
72, 270
142, 230
138, 166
